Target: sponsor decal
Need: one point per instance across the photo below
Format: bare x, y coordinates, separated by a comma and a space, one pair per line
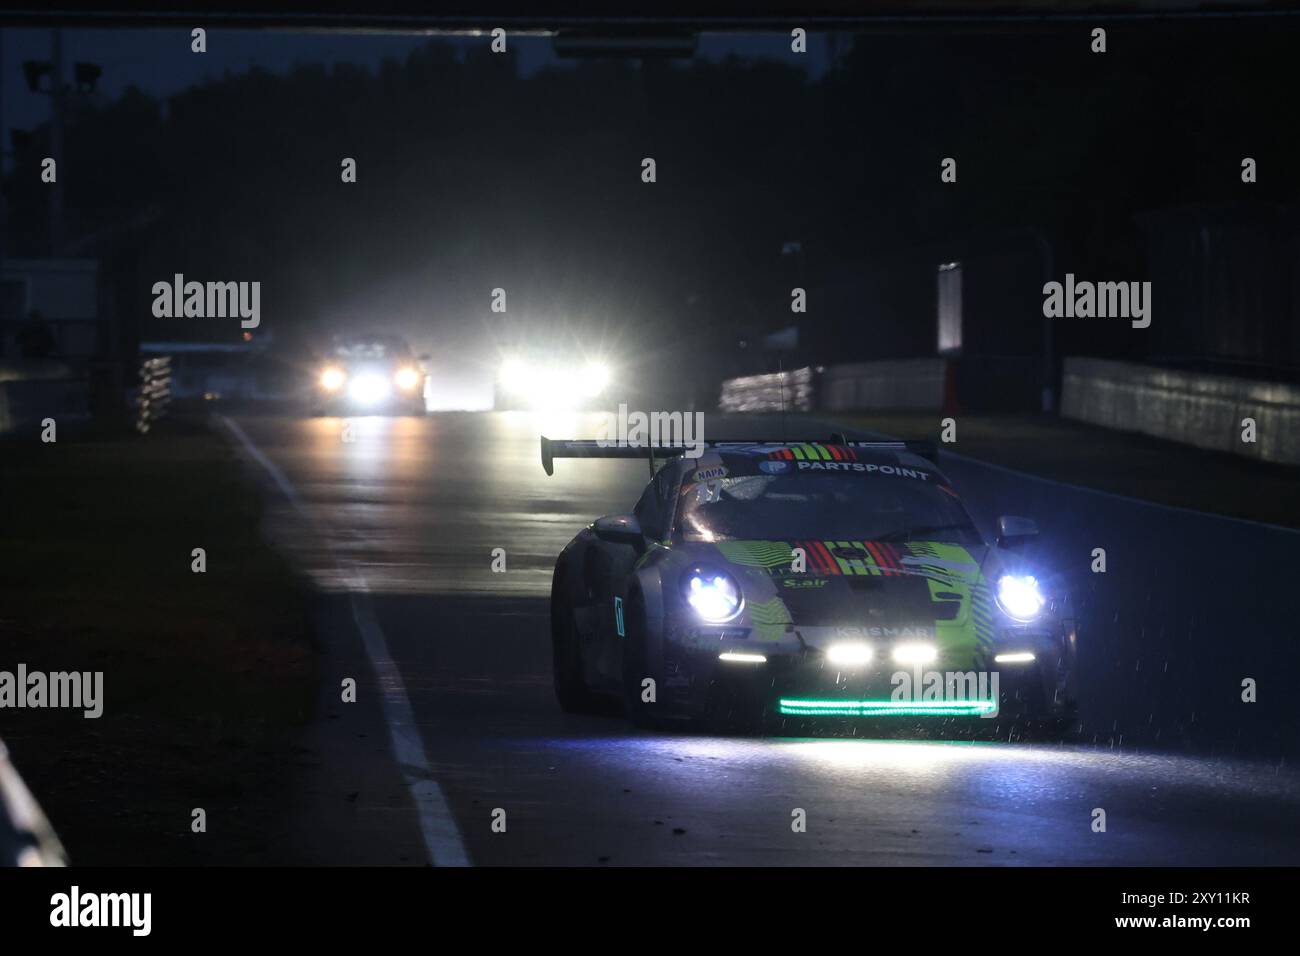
859, 466
706, 474
909, 631
815, 452
805, 582
769, 618
774, 467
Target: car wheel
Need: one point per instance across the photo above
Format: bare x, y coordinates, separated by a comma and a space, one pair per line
636, 667
1065, 726
566, 660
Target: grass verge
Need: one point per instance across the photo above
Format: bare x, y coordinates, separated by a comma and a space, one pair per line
207, 676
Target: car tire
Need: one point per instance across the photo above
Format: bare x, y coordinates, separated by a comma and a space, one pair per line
571, 688
1065, 726
636, 667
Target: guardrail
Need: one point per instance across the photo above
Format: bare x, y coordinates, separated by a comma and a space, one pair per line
26, 837
154, 393
34, 389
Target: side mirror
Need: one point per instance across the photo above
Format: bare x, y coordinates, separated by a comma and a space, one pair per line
1013, 531
619, 529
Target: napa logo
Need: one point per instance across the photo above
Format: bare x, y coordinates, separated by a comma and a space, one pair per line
774, 467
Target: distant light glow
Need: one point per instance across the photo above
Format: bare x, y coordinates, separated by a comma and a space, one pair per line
914, 653
332, 379
804, 707
407, 378
735, 657
849, 654
595, 379
1020, 657
369, 389
553, 385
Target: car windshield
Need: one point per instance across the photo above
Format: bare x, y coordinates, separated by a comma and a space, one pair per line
370, 349
857, 507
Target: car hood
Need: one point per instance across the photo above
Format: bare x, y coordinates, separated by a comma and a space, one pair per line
924, 589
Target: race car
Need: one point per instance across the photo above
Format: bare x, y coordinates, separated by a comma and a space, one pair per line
761, 583
369, 375
550, 381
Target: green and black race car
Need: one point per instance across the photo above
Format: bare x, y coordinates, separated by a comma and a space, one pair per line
767, 581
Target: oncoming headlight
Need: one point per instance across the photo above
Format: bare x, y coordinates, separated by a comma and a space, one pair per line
1020, 596
595, 378
331, 379
714, 595
407, 378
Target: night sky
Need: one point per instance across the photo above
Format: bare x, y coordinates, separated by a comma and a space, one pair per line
160, 63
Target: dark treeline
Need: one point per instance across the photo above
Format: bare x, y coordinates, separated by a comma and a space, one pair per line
471, 178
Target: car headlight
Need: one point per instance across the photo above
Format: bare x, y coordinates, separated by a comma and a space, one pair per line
332, 379
714, 595
516, 375
1020, 596
595, 378
369, 389
407, 378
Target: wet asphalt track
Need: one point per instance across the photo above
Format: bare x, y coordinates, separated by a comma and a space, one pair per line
411, 509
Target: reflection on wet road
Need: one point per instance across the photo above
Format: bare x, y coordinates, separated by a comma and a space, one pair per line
411, 510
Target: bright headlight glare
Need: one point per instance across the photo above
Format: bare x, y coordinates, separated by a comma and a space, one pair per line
914, 653
849, 654
368, 389
595, 377
1020, 597
407, 378
516, 374
332, 379
714, 595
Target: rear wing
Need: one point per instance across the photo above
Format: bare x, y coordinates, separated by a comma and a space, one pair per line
553, 448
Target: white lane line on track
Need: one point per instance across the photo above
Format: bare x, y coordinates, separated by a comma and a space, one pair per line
437, 825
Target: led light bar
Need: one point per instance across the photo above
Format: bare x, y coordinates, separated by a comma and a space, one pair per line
914, 653
737, 658
803, 707
1024, 657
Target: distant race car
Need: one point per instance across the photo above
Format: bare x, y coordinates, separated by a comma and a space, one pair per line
541, 380
369, 375
767, 582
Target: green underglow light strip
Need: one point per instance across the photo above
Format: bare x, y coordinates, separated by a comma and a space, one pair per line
878, 708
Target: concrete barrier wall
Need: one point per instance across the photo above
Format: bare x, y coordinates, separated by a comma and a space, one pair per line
32, 391
913, 384
893, 384
1193, 408
790, 391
